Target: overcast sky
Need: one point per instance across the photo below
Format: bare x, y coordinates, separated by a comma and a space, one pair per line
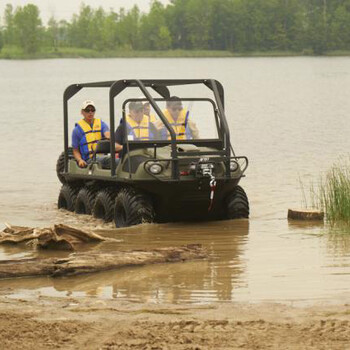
64, 9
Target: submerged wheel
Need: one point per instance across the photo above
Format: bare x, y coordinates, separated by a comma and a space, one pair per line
132, 208
237, 204
104, 205
85, 201
67, 197
60, 168
60, 165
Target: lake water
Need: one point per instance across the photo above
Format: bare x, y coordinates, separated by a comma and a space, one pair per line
289, 116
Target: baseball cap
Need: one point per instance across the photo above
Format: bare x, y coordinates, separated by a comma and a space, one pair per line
88, 103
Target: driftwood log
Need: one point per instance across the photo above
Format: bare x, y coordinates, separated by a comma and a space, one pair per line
59, 237
305, 214
82, 263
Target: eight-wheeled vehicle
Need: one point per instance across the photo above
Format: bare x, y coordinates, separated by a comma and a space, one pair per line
161, 179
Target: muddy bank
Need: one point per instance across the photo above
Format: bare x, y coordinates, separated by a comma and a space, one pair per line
88, 323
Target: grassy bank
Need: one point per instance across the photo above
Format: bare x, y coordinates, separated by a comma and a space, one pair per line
332, 193
68, 52
71, 52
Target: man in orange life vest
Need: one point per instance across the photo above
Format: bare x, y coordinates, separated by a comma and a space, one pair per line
87, 132
178, 118
138, 127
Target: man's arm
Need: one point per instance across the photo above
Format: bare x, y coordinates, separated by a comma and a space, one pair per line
105, 130
194, 129
75, 144
81, 162
118, 147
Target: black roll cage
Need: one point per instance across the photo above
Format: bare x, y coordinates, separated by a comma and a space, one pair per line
161, 87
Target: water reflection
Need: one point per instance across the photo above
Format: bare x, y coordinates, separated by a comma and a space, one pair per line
195, 281
306, 225
338, 244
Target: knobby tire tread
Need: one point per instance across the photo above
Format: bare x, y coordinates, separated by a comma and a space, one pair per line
60, 168
86, 196
138, 208
67, 197
104, 200
237, 204
60, 165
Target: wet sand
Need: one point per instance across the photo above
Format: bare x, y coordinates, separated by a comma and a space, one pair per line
87, 323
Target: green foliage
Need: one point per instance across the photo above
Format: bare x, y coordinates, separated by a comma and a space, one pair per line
9, 31
128, 35
27, 28
332, 193
239, 26
154, 33
1, 39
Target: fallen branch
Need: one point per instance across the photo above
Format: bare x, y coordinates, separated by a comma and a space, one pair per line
82, 263
60, 237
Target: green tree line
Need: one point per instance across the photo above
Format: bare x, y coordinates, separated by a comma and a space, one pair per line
239, 26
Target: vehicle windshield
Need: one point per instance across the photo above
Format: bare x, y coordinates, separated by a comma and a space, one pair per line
189, 119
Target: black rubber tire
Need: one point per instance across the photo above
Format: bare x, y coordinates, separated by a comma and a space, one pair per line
237, 204
60, 165
67, 197
104, 205
60, 168
132, 208
85, 201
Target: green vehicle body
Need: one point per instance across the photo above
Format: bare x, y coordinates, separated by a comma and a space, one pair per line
198, 178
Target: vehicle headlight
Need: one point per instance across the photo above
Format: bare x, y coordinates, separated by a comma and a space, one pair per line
233, 166
192, 167
155, 168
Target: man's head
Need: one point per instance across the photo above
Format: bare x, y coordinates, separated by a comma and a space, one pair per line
146, 108
136, 111
174, 106
88, 110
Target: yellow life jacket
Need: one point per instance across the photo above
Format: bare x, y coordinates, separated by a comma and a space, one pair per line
152, 118
179, 126
92, 134
138, 131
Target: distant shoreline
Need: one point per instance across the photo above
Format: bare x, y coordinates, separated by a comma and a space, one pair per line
16, 54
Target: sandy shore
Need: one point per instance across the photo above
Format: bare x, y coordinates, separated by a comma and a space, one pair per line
88, 323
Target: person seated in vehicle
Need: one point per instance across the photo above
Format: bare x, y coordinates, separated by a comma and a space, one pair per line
178, 118
87, 132
147, 111
138, 127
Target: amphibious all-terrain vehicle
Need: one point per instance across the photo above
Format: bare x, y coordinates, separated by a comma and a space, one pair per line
162, 179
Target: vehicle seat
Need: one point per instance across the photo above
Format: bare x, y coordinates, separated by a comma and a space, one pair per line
103, 146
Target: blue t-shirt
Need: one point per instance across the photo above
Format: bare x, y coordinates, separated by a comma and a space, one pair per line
78, 134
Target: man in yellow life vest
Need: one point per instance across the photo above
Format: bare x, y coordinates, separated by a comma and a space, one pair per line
87, 132
137, 127
178, 118
147, 111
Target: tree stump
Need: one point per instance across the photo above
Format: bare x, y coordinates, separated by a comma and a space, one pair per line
305, 214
